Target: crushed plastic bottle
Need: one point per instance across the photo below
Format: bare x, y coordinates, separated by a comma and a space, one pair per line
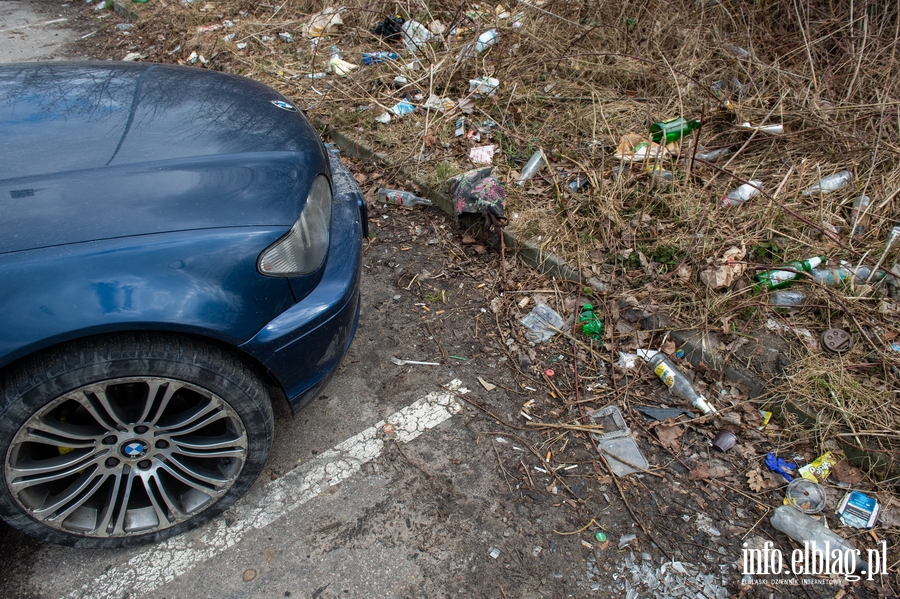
829, 183
776, 278
591, 325
741, 194
543, 322
712, 155
401, 198
817, 538
533, 165
768, 129
787, 298
858, 216
678, 384
660, 177
486, 40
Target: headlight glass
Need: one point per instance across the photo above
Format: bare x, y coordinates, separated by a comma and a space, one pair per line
303, 249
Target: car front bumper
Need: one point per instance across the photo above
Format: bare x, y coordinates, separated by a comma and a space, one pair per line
303, 347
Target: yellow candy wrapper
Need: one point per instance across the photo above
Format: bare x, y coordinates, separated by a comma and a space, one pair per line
819, 469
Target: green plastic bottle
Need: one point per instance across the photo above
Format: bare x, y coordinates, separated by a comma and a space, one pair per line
591, 326
665, 132
776, 279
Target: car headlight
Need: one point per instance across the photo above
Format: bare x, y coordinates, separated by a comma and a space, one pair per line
303, 249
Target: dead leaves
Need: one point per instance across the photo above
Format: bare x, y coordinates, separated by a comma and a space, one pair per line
704, 472
669, 436
760, 481
846, 473
471, 241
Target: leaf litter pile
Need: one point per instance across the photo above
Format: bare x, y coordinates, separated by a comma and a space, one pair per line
793, 154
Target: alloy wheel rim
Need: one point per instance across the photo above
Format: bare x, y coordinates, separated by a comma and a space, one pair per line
125, 456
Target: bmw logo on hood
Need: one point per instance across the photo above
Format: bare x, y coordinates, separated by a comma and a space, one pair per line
134, 449
284, 105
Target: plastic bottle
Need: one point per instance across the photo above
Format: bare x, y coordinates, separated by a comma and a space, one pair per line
836, 276
815, 537
893, 236
591, 326
665, 132
401, 198
660, 177
533, 165
741, 194
829, 183
678, 384
776, 279
858, 217
787, 298
712, 155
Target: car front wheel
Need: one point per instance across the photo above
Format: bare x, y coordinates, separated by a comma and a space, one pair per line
115, 441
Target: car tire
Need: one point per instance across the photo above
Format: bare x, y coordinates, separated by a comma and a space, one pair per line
126, 439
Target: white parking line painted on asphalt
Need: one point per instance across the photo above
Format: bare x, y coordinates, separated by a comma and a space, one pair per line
164, 562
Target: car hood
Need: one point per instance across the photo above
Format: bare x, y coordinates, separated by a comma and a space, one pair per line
94, 151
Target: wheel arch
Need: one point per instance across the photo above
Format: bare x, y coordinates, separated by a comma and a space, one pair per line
275, 391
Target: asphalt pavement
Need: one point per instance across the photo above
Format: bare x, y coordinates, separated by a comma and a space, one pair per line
31, 31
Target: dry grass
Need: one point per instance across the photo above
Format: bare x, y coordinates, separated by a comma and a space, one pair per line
575, 77
848, 405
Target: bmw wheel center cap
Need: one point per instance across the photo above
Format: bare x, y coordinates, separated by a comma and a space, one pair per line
134, 449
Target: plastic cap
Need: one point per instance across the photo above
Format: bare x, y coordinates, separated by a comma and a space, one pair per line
703, 405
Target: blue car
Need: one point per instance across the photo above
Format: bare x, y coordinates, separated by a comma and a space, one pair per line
178, 250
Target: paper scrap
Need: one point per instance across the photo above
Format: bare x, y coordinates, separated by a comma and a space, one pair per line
482, 154
487, 386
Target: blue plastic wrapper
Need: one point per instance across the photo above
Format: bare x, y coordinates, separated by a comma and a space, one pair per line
403, 108
780, 466
377, 57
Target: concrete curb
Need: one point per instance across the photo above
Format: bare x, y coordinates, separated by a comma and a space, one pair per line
126, 11
699, 348
533, 255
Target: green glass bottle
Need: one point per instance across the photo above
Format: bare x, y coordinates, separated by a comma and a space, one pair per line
591, 326
665, 132
776, 279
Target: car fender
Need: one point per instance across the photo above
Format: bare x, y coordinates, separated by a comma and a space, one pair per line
198, 282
